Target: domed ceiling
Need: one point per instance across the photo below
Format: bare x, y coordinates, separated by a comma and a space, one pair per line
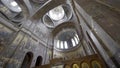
66, 39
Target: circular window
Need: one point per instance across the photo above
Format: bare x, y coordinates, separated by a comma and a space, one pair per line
66, 39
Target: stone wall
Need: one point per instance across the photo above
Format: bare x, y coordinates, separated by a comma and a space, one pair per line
15, 42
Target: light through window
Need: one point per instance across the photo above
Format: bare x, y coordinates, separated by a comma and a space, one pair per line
14, 3
76, 40
77, 36
62, 46
66, 46
58, 44
73, 42
57, 13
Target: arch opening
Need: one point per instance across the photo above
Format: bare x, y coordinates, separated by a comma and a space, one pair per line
27, 60
38, 61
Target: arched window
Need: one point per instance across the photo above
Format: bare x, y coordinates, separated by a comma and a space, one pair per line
62, 46
73, 42
58, 42
77, 36
38, 61
76, 40
27, 60
66, 45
